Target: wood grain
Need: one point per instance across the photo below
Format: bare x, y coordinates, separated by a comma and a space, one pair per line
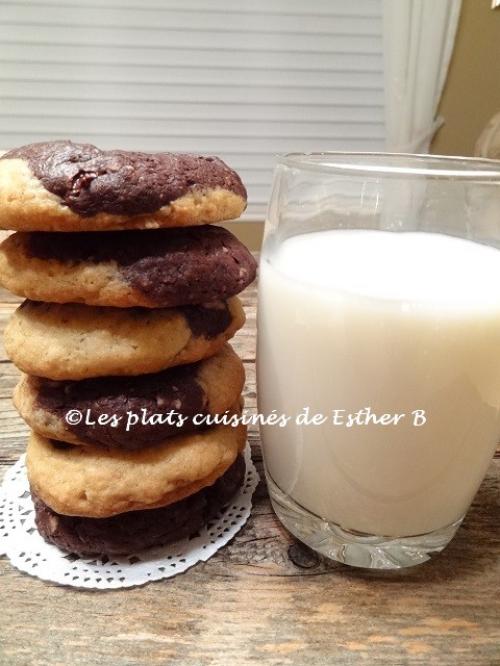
264, 598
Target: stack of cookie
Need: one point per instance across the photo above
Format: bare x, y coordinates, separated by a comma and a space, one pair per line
131, 299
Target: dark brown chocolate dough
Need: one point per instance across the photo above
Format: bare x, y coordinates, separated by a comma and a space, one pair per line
129, 532
170, 266
91, 181
173, 389
208, 321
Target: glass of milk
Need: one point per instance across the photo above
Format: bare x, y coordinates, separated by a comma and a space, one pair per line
379, 349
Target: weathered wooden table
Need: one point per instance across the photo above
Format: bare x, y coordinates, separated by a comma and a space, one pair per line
262, 599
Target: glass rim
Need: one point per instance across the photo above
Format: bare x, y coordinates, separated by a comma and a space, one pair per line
394, 164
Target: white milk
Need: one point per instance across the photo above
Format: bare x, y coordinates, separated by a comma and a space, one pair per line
396, 322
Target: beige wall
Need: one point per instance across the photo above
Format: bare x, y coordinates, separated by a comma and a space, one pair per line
249, 233
472, 92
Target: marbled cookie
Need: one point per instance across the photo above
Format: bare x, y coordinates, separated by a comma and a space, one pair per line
210, 386
129, 532
98, 483
78, 341
159, 268
65, 186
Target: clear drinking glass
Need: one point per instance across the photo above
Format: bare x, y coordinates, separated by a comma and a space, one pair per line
379, 295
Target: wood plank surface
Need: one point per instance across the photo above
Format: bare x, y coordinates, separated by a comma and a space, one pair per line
263, 599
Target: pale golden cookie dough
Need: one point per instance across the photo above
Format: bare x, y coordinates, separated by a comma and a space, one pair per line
77, 341
96, 483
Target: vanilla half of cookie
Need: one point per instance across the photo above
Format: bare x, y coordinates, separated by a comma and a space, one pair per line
98, 483
75, 341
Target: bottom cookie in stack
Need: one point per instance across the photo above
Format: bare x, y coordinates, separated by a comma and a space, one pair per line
93, 501
136, 530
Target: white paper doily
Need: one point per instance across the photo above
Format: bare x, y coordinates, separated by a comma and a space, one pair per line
27, 551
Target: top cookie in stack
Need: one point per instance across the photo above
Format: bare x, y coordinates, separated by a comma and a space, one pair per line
65, 186
120, 324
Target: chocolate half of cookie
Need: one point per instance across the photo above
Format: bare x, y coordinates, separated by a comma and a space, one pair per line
91, 181
130, 532
156, 268
132, 412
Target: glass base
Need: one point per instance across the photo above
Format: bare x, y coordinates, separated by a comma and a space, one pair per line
355, 548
